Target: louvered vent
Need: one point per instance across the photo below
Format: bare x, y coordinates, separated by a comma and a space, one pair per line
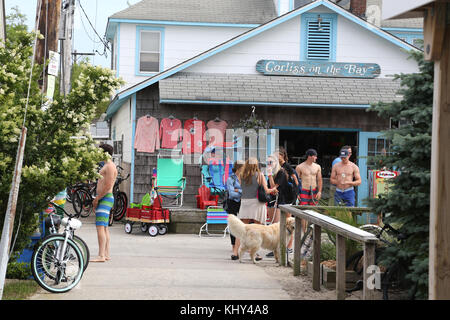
319, 40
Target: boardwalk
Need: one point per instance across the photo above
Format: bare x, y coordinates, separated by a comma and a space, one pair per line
181, 267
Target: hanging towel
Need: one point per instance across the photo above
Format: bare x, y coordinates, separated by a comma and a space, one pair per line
147, 134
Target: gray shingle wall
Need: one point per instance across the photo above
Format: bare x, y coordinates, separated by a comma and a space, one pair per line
216, 11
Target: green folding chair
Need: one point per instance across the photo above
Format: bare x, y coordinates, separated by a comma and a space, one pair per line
170, 183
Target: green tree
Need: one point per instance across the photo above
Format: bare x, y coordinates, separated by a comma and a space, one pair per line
59, 149
407, 204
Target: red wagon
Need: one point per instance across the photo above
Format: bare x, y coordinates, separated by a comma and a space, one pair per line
153, 218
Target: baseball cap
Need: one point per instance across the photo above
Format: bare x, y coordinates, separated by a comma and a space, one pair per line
311, 152
343, 153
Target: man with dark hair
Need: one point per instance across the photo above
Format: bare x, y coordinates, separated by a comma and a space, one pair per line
103, 203
107, 148
311, 175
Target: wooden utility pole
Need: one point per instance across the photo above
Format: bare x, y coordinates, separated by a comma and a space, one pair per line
68, 11
48, 17
2, 22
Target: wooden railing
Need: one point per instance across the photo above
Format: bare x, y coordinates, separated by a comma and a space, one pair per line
342, 231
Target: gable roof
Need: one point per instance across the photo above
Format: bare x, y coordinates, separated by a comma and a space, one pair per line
206, 88
120, 97
214, 11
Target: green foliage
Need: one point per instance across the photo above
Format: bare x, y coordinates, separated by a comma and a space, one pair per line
53, 158
407, 204
18, 270
345, 216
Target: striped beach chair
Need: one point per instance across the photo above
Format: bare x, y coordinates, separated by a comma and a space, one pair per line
215, 215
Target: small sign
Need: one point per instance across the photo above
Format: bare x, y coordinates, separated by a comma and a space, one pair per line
318, 69
387, 174
53, 63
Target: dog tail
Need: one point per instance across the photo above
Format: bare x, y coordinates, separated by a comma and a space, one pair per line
237, 227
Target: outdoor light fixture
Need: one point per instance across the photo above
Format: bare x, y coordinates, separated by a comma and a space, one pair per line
319, 20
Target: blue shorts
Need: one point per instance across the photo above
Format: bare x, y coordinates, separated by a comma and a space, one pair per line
103, 210
346, 197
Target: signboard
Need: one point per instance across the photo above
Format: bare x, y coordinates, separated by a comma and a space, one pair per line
318, 69
386, 174
378, 181
53, 63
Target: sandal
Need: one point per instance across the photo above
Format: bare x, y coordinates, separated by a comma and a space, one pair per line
258, 258
233, 257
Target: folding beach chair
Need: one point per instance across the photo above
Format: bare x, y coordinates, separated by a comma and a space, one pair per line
170, 183
215, 215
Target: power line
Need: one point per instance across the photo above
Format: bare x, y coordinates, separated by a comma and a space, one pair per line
93, 28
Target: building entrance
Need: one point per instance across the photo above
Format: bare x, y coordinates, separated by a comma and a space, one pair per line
326, 142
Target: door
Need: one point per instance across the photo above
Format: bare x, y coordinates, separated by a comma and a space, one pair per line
370, 144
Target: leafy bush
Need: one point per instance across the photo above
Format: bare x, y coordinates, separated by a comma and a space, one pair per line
18, 270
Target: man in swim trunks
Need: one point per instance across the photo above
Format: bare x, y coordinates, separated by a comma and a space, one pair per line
103, 203
345, 175
311, 175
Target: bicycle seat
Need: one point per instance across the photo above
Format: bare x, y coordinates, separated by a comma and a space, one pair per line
73, 223
56, 220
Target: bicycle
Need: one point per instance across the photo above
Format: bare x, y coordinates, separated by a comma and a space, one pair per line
82, 196
394, 276
53, 221
57, 263
120, 199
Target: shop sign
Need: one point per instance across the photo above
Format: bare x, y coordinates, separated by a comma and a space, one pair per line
318, 69
386, 174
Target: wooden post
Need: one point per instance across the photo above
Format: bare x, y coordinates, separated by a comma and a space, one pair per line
2, 23
369, 260
437, 33
316, 257
297, 246
340, 267
283, 259
49, 15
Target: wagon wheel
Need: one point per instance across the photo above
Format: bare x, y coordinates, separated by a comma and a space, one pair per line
128, 227
153, 230
162, 228
144, 227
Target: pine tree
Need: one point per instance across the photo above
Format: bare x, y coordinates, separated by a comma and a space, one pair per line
407, 204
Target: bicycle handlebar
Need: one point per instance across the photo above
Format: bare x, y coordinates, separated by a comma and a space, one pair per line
58, 206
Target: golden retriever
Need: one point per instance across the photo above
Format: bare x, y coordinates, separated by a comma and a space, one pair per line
256, 236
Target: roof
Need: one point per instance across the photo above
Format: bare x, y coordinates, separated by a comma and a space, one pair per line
276, 90
123, 95
213, 11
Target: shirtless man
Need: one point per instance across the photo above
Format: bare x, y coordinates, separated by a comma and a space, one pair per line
345, 175
103, 203
310, 174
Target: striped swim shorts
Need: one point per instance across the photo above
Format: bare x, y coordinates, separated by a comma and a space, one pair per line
307, 197
103, 210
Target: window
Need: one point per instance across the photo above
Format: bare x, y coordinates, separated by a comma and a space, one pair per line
378, 147
318, 36
149, 50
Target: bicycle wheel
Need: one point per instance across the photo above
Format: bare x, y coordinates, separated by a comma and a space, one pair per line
84, 202
57, 271
111, 218
84, 250
120, 206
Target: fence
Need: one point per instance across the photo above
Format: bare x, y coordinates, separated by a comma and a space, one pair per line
342, 231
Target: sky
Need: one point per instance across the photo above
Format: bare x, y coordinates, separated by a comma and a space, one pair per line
85, 39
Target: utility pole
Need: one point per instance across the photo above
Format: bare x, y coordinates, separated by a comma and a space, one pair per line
48, 17
2, 22
67, 17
